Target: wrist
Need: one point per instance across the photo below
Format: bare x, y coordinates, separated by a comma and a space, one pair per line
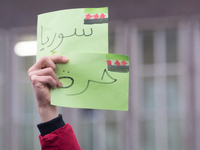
50, 126
48, 113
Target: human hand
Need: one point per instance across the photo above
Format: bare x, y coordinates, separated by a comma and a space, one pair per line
43, 78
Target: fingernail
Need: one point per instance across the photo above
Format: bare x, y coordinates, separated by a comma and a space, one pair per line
65, 59
60, 84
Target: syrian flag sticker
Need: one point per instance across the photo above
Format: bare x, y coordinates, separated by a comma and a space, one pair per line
117, 63
96, 15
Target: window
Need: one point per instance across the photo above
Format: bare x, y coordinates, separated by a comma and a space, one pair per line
160, 125
160, 89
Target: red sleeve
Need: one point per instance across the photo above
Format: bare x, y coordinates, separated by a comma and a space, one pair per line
60, 139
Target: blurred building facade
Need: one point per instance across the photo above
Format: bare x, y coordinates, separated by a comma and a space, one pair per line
162, 39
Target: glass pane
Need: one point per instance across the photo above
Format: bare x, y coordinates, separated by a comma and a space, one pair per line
110, 116
147, 46
147, 135
111, 42
86, 129
172, 92
29, 99
28, 62
171, 45
149, 90
26, 91
86, 136
111, 136
26, 138
174, 135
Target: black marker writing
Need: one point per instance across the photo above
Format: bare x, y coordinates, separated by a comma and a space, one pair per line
61, 36
84, 33
52, 40
43, 43
88, 83
72, 81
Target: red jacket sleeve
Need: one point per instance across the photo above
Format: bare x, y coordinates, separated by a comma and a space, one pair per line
63, 138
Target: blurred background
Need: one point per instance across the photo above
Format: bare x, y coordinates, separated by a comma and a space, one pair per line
162, 39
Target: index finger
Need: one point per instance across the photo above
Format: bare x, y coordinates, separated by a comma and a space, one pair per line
58, 58
48, 61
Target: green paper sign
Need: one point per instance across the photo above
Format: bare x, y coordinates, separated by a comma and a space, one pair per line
92, 79
77, 30
87, 82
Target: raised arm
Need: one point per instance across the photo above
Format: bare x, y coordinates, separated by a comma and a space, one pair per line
55, 134
42, 76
